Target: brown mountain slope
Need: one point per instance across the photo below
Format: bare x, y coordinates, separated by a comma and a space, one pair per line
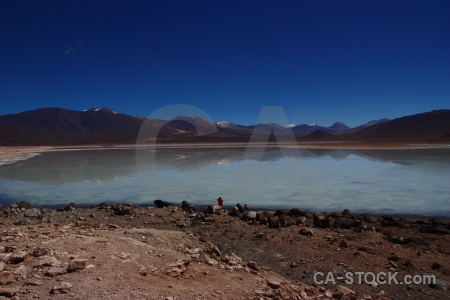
56, 126
429, 126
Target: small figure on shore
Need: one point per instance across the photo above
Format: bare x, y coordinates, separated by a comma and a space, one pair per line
239, 208
220, 201
245, 207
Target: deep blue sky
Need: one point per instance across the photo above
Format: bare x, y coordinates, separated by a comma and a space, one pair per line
323, 61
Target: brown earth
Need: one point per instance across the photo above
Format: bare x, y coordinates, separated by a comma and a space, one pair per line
126, 252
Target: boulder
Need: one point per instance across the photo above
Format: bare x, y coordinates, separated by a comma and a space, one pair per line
253, 265
345, 223
296, 212
346, 212
440, 284
70, 207
161, 203
251, 215
188, 207
77, 264
47, 261
62, 288
279, 213
300, 221
268, 214
122, 209
273, 222
214, 209
306, 231
321, 221
24, 204
8, 292
39, 251
33, 213
273, 284
17, 258
417, 241
235, 212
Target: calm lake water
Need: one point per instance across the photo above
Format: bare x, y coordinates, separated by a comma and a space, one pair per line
413, 181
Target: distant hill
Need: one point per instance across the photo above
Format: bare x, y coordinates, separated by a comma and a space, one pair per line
429, 126
57, 126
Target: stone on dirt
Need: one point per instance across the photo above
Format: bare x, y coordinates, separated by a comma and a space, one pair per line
62, 288
55, 271
17, 258
77, 264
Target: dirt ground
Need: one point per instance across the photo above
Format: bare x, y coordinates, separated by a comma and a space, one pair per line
127, 252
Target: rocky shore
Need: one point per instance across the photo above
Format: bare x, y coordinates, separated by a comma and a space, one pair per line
181, 252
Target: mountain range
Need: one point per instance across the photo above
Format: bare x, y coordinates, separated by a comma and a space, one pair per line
57, 126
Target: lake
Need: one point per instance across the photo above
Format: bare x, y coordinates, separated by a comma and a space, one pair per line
388, 181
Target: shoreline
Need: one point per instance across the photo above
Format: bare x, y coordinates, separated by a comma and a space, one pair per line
257, 209
12, 152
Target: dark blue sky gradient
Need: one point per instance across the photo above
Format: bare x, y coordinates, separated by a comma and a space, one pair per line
323, 61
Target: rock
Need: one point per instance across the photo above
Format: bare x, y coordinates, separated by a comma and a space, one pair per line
40, 251
17, 258
188, 207
8, 292
33, 282
296, 212
77, 264
259, 216
10, 249
235, 212
24, 204
161, 203
394, 257
337, 295
253, 265
306, 231
47, 261
55, 271
273, 284
6, 279
417, 241
214, 209
274, 222
177, 269
321, 221
2, 266
343, 244
440, 284
336, 215
23, 222
346, 212
210, 261
251, 215
433, 230
122, 209
33, 213
345, 223
300, 221
435, 266
279, 213
70, 207
62, 288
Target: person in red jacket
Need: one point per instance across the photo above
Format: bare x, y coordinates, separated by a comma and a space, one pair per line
220, 201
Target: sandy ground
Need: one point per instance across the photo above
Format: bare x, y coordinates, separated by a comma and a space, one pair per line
127, 252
